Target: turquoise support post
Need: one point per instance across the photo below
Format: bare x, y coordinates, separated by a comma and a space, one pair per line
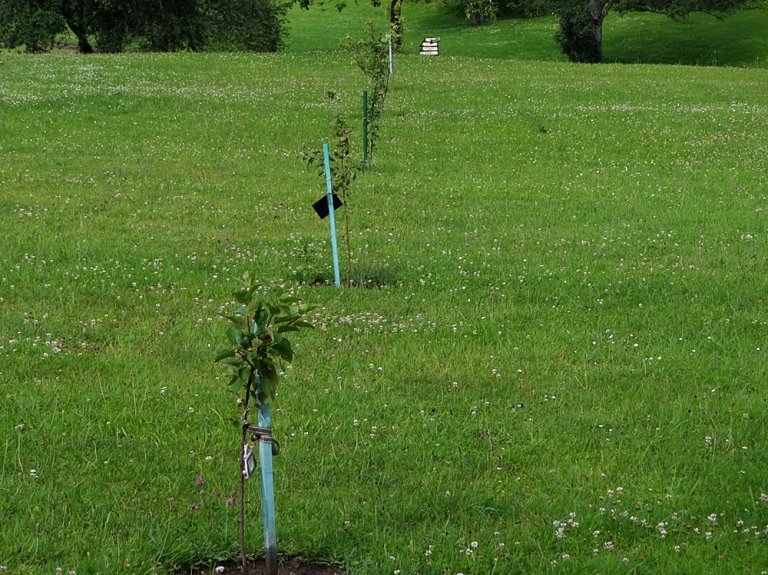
267, 496
331, 217
365, 128
390, 57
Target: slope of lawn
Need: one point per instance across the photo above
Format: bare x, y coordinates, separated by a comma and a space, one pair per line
634, 38
559, 365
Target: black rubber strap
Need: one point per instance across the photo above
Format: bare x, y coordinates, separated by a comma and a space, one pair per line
263, 434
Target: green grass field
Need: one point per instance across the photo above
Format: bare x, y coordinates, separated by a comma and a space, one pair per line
562, 369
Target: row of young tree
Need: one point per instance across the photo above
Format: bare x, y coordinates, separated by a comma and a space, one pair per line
156, 25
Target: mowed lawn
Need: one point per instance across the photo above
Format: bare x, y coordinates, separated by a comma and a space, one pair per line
558, 364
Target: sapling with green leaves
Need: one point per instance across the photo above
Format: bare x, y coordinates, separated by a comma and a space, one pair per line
258, 349
371, 55
344, 170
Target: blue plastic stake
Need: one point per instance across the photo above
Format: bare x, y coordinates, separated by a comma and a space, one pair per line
365, 128
390, 56
336, 276
267, 495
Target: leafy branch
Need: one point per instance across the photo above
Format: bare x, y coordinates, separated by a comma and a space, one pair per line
258, 348
343, 172
371, 55
258, 342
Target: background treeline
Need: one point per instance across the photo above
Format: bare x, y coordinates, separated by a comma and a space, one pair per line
260, 25
157, 25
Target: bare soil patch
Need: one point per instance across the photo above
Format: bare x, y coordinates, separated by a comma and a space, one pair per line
289, 567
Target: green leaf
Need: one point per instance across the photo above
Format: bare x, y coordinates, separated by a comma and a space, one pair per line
243, 296
232, 362
273, 309
286, 328
238, 321
237, 385
245, 373
268, 372
234, 334
262, 397
224, 354
261, 316
283, 347
255, 355
302, 323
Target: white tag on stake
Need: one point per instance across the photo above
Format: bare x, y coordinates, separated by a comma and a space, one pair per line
249, 461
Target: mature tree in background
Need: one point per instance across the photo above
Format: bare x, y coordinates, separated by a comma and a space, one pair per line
30, 23
476, 11
79, 14
250, 25
581, 21
156, 25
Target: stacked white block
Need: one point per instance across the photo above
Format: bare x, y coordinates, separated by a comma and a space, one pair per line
429, 47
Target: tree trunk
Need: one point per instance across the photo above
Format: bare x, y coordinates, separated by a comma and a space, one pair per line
598, 9
76, 20
477, 17
83, 44
396, 22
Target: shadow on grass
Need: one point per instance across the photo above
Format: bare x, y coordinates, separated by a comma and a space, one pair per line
289, 567
701, 40
373, 276
367, 276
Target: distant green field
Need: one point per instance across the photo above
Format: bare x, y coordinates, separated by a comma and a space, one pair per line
560, 367
635, 38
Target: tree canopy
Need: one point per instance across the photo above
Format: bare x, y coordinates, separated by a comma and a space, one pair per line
160, 25
581, 21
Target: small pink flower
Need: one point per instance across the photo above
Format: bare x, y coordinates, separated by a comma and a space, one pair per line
194, 507
199, 480
230, 500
